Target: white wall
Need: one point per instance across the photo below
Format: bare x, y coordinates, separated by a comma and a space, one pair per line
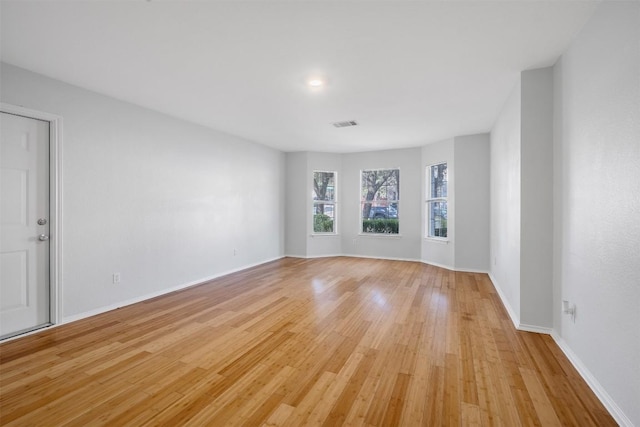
505, 203
435, 251
471, 210
597, 201
161, 201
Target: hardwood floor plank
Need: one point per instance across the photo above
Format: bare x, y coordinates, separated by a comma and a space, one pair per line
331, 341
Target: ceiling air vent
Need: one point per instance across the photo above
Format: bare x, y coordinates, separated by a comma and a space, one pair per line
345, 124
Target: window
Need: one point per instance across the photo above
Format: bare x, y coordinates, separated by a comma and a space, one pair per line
379, 201
324, 202
437, 201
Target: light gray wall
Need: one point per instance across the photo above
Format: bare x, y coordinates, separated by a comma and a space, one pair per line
472, 219
505, 202
405, 246
297, 212
536, 222
522, 200
435, 251
323, 244
161, 201
597, 200
473, 152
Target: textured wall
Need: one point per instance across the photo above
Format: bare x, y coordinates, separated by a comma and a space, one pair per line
161, 201
597, 200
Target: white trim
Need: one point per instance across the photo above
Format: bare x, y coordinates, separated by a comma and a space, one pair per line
457, 270
31, 332
470, 270
145, 297
333, 202
435, 264
351, 256
430, 199
533, 328
505, 302
446, 267
379, 257
443, 240
592, 382
314, 256
384, 235
389, 202
295, 256
586, 375
512, 314
55, 203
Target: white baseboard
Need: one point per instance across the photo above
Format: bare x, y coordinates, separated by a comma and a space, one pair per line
435, 264
505, 302
352, 256
592, 382
534, 328
512, 314
313, 256
380, 257
100, 310
470, 270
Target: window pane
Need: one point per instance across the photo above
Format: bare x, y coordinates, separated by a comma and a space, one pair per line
383, 184
438, 177
323, 217
324, 202
324, 186
379, 198
437, 219
378, 210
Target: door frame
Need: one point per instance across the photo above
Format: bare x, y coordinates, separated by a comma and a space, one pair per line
55, 203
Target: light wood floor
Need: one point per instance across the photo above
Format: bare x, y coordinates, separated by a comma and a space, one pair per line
337, 341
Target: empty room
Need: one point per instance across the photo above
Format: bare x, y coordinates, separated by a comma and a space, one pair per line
288, 213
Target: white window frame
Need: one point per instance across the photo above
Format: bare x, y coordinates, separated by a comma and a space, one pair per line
333, 202
389, 202
431, 199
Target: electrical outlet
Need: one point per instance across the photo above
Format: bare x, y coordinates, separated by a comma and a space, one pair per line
570, 309
116, 278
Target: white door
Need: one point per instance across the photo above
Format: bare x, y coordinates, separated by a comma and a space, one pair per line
24, 224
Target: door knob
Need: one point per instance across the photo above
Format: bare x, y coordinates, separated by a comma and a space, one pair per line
43, 237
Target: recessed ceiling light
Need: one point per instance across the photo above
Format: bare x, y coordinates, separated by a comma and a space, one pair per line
315, 82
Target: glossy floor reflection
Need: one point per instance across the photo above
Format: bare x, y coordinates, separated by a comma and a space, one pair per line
334, 341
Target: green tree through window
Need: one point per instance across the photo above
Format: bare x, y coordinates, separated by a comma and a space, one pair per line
379, 201
324, 202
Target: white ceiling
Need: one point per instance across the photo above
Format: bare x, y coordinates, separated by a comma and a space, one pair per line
409, 72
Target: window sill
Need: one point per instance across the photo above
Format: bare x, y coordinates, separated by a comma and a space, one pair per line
384, 235
443, 240
324, 234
